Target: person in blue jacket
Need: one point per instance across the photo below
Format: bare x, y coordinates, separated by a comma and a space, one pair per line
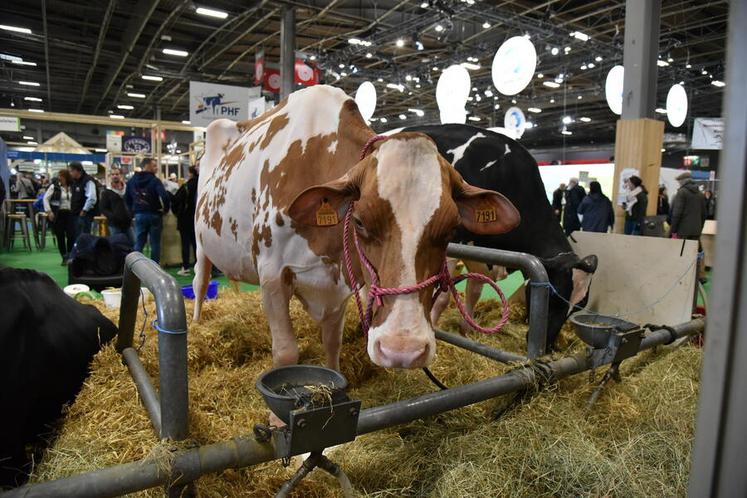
148, 201
596, 209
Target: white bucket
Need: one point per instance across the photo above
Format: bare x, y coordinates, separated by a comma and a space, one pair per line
74, 289
112, 297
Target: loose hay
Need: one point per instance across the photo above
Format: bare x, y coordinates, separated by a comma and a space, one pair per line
636, 442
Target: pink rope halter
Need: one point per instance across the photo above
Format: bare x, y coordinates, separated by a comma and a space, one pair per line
442, 279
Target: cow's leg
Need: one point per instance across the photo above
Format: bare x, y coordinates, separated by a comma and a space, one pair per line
276, 299
203, 267
442, 301
332, 325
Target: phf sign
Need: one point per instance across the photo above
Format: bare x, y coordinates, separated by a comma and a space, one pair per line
209, 101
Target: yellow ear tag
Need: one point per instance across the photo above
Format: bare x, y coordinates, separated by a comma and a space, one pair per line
326, 216
485, 215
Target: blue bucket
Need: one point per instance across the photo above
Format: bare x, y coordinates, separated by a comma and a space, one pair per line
212, 291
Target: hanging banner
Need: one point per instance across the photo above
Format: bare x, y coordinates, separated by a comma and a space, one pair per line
305, 74
708, 133
259, 67
272, 80
209, 101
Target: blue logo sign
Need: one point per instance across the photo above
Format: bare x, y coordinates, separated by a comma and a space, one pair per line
216, 106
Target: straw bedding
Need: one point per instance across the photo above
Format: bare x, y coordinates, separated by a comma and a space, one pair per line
636, 442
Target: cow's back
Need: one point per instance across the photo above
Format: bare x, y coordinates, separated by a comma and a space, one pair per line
253, 170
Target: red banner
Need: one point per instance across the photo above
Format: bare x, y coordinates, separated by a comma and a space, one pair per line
305, 74
271, 81
259, 67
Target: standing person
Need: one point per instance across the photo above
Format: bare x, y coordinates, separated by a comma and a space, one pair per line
662, 206
183, 207
636, 202
148, 200
557, 201
596, 209
170, 184
24, 187
688, 210
83, 199
573, 197
57, 203
113, 206
710, 205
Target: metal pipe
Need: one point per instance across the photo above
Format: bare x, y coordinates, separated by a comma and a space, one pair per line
144, 387
188, 465
373, 419
287, 51
538, 297
481, 349
172, 337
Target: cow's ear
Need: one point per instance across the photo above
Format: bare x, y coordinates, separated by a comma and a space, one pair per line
485, 212
324, 205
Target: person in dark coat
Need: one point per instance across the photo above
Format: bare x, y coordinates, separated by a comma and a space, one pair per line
573, 197
114, 208
57, 202
184, 207
596, 209
688, 210
149, 201
636, 202
84, 198
710, 205
557, 201
662, 206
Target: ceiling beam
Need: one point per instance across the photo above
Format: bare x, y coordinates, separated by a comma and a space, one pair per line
99, 43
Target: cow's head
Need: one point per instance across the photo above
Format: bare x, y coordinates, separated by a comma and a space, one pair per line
408, 202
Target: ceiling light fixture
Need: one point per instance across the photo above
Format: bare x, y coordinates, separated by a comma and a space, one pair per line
418, 112
402, 117
567, 120
151, 78
186, 122
15, 29
116, 116
175, 52
136, 95
584, 119
32, 99
28, 83
383, 120
400, 43
486, 25
661, 110
439, 28
554, 51
551, 84
125, 107
36, 110
535, 110
473, 118
211, 13
662, 63
580, 36
718, 83
24, 63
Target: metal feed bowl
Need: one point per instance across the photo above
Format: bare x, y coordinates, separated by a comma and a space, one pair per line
284, 388
595, 330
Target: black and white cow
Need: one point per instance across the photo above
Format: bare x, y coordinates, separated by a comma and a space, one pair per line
47, 341
493, 161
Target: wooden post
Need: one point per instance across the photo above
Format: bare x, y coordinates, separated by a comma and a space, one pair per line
638, 145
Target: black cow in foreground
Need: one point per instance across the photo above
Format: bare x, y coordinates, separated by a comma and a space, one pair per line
495, 162
47, 341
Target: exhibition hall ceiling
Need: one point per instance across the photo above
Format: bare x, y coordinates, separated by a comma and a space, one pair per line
131, 57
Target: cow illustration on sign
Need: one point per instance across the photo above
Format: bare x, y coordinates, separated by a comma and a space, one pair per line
212, 102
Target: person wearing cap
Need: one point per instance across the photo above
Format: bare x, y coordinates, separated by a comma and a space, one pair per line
688, 210
573, 197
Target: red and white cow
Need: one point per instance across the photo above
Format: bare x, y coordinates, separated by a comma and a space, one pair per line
263, 185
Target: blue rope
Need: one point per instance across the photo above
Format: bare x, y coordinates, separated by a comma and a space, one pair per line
155, 325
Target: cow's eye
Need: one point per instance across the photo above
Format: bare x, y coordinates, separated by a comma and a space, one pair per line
359, 226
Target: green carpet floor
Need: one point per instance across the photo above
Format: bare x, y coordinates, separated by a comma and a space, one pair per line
48, 261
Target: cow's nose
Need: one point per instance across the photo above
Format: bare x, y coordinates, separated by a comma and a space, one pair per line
401, 353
